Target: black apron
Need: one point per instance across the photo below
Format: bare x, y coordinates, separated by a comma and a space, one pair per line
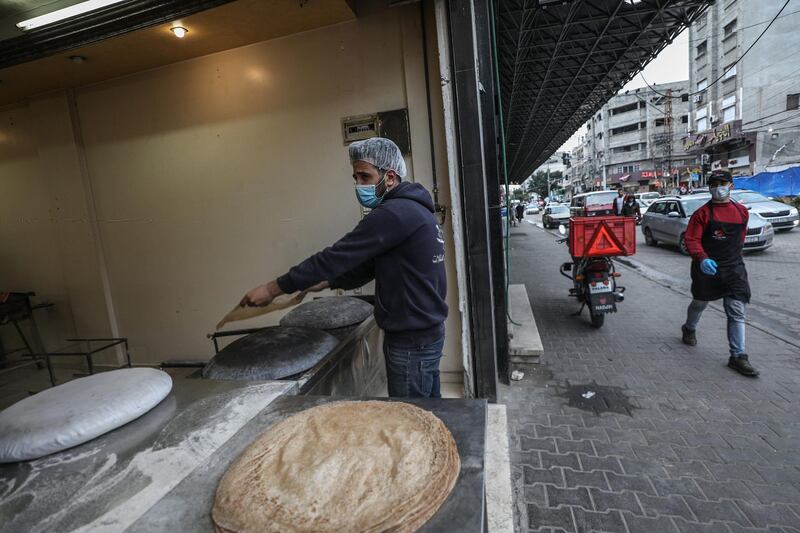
722, 242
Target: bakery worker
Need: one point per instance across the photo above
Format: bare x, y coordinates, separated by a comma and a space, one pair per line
400, 246
715, 238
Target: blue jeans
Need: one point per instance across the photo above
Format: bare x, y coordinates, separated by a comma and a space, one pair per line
413, 370
734, 310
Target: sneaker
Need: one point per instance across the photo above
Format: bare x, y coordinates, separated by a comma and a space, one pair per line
742, 366
689, 336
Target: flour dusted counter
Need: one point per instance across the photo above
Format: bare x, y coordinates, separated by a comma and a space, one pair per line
160, 472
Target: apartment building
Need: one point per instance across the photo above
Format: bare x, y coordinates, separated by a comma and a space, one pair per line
746, 113
635, 141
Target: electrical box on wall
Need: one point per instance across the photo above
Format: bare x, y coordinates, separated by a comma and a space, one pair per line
390, 124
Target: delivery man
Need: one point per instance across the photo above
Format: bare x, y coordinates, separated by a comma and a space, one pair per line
715, 238
400, 246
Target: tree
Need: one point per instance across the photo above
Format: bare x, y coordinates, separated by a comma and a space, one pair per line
539, 182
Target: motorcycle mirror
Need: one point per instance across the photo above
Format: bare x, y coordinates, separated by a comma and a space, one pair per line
562, 229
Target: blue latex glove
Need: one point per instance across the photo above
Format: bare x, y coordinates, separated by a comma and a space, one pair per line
708, 267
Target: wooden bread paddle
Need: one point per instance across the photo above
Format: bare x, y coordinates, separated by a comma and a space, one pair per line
241, 312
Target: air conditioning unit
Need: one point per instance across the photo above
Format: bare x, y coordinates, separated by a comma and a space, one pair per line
698, 98
714, 119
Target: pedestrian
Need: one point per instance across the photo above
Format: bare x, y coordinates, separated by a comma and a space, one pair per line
619, 202
520, 209
630, 208
400, 246
715, 238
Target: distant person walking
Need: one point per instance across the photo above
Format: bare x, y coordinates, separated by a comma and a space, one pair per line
520, 209
619, 202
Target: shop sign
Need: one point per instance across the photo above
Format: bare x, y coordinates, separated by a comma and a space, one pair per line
717, 135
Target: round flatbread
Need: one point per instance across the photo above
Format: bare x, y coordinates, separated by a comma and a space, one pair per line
79, 411
271, 353
332, 312
345, 466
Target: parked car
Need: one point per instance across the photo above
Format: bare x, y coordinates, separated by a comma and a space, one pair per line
647, 196
590, 204
532, 209
783, 217
667, 218
555, 215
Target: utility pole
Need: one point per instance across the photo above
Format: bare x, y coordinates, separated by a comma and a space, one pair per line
668, 134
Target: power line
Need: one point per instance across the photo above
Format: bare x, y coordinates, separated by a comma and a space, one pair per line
730, 66
722, 33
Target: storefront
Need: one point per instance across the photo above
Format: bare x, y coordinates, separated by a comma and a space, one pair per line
725, 146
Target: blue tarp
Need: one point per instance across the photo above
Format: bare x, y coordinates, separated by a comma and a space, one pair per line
784, 183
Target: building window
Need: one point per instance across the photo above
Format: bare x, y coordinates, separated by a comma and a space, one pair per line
702, 85
660, 122
792, 101
599, 116
600, 135
729, 113
625, 108
730, 29
625, 129
685, 119
702, 124
685, 97
730, 71
701, 49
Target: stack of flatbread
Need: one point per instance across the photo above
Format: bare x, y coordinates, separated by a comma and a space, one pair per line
345, 466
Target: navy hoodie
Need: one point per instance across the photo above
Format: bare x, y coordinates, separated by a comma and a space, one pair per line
399, 245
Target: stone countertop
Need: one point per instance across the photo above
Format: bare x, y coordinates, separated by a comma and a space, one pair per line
108, 483
187, 506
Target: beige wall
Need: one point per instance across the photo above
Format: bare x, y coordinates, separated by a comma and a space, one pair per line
215, 174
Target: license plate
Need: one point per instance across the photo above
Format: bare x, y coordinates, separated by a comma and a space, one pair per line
754, 238
601, 287
780, 219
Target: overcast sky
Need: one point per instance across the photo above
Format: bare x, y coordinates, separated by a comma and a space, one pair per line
672, 64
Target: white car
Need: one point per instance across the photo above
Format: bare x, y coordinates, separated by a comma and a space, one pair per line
532, 209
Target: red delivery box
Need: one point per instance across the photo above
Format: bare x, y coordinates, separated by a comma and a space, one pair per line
598, 236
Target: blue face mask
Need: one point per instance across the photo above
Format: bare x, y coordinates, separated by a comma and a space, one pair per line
366, 195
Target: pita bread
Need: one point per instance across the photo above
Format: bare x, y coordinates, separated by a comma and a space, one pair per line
244, 312
345, 466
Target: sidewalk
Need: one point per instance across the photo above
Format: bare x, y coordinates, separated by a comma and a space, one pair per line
672, 439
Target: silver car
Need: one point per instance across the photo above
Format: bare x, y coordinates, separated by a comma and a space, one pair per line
666, 221
783, 217
554, 215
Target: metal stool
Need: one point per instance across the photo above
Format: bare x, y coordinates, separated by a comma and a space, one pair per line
87, 353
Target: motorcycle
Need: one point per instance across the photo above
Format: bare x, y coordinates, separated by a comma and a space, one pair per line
594, 281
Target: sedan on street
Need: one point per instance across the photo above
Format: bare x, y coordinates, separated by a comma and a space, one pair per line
532, 209
783, 217
555, 215
667, 219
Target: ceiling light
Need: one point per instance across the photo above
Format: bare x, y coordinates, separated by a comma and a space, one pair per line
179, 31
77, 59
67, 12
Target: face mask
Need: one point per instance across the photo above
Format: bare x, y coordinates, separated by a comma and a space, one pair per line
721, 192
366, 195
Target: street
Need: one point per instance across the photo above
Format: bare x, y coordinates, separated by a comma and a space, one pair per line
627, 429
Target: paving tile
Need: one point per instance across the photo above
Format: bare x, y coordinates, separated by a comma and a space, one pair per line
621, 501
609, 463
586, 521
539, 475
641, 524
569, 460
595, 479
539, 517
619, 483
723, 511
679, 487
667, 505
578, 497
769, 515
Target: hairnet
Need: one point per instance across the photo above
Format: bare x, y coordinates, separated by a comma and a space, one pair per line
381, 152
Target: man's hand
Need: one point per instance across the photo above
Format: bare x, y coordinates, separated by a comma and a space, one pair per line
261, 296
318, 287
708, 267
